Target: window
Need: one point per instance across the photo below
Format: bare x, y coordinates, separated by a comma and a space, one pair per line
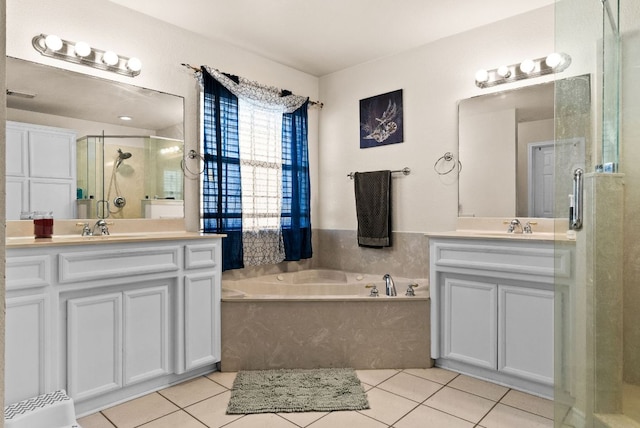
256, 183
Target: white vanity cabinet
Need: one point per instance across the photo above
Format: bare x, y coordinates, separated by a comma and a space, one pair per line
28, 332
41, 170
117, 339
469, 321
493, 308
110, 320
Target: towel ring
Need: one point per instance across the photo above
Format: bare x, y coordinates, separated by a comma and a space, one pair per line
441, 162
192, 154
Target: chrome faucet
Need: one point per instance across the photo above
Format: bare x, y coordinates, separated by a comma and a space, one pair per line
391, 286
410, 291
86, 230
515, 226
102, 227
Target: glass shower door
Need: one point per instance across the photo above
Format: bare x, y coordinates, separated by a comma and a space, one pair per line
597, 341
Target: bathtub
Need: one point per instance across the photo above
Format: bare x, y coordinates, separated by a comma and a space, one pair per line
323, 318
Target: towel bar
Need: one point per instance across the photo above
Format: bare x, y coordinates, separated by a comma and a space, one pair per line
404, 171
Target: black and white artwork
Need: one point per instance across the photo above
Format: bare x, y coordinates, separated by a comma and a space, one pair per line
381, 120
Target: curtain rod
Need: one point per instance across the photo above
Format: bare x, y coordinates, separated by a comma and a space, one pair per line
197, 70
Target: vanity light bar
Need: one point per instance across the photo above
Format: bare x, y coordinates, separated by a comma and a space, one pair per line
81, 53
552, 63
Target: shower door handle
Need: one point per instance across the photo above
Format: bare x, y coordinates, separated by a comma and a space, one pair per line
102, 208
577, 213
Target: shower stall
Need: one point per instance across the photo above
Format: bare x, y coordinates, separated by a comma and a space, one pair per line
122, 176
597, 316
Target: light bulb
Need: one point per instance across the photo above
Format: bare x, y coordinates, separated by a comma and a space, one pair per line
553, 60
134, 64
53, 42
482, 75
82, 49
503, 71
110, 58
527, 66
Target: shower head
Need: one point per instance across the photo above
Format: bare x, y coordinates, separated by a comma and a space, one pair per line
122, 156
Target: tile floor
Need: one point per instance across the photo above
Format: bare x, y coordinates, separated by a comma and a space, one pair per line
398, 398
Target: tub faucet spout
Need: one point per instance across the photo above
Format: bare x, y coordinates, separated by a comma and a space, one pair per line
391, 286
515, 226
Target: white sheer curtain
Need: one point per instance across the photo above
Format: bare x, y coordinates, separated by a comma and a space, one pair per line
260, 131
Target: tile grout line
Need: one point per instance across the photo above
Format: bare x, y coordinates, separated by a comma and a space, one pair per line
407, 398
218, 383
160, 417
525, 410
381, 382
107, 418
486, 414
405, 415
431, 380
382, 422
495, 403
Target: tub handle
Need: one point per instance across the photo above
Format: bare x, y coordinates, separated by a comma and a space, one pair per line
374, 290
410, 291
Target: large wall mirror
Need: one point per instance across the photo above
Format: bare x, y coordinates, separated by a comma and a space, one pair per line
506, 144
118, 168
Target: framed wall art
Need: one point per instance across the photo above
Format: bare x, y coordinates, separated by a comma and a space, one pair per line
381, 120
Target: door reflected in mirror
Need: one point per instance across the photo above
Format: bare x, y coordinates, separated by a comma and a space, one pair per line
134, 170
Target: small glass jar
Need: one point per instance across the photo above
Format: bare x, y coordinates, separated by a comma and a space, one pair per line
43, 224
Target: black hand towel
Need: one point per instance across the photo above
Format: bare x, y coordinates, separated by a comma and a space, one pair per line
373, 208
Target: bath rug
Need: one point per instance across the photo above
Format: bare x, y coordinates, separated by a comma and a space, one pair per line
296, 390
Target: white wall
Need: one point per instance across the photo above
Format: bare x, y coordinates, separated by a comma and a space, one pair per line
162, 48
434, 78
488, 181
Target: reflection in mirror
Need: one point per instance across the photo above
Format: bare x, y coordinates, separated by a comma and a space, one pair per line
91, 109
141, 177
506, 144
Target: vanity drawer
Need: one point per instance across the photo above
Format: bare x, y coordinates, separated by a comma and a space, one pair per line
537, 260
27, 272
117, 263
200, 256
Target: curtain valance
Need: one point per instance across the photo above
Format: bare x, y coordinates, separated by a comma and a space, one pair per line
262, 95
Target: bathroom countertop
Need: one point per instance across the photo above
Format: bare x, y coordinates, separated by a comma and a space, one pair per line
77, 239
544, 229
495, 234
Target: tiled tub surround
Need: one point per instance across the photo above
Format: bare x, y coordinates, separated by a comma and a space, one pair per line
299, 328
338, 249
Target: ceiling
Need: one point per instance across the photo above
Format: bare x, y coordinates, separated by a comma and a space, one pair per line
323, 36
